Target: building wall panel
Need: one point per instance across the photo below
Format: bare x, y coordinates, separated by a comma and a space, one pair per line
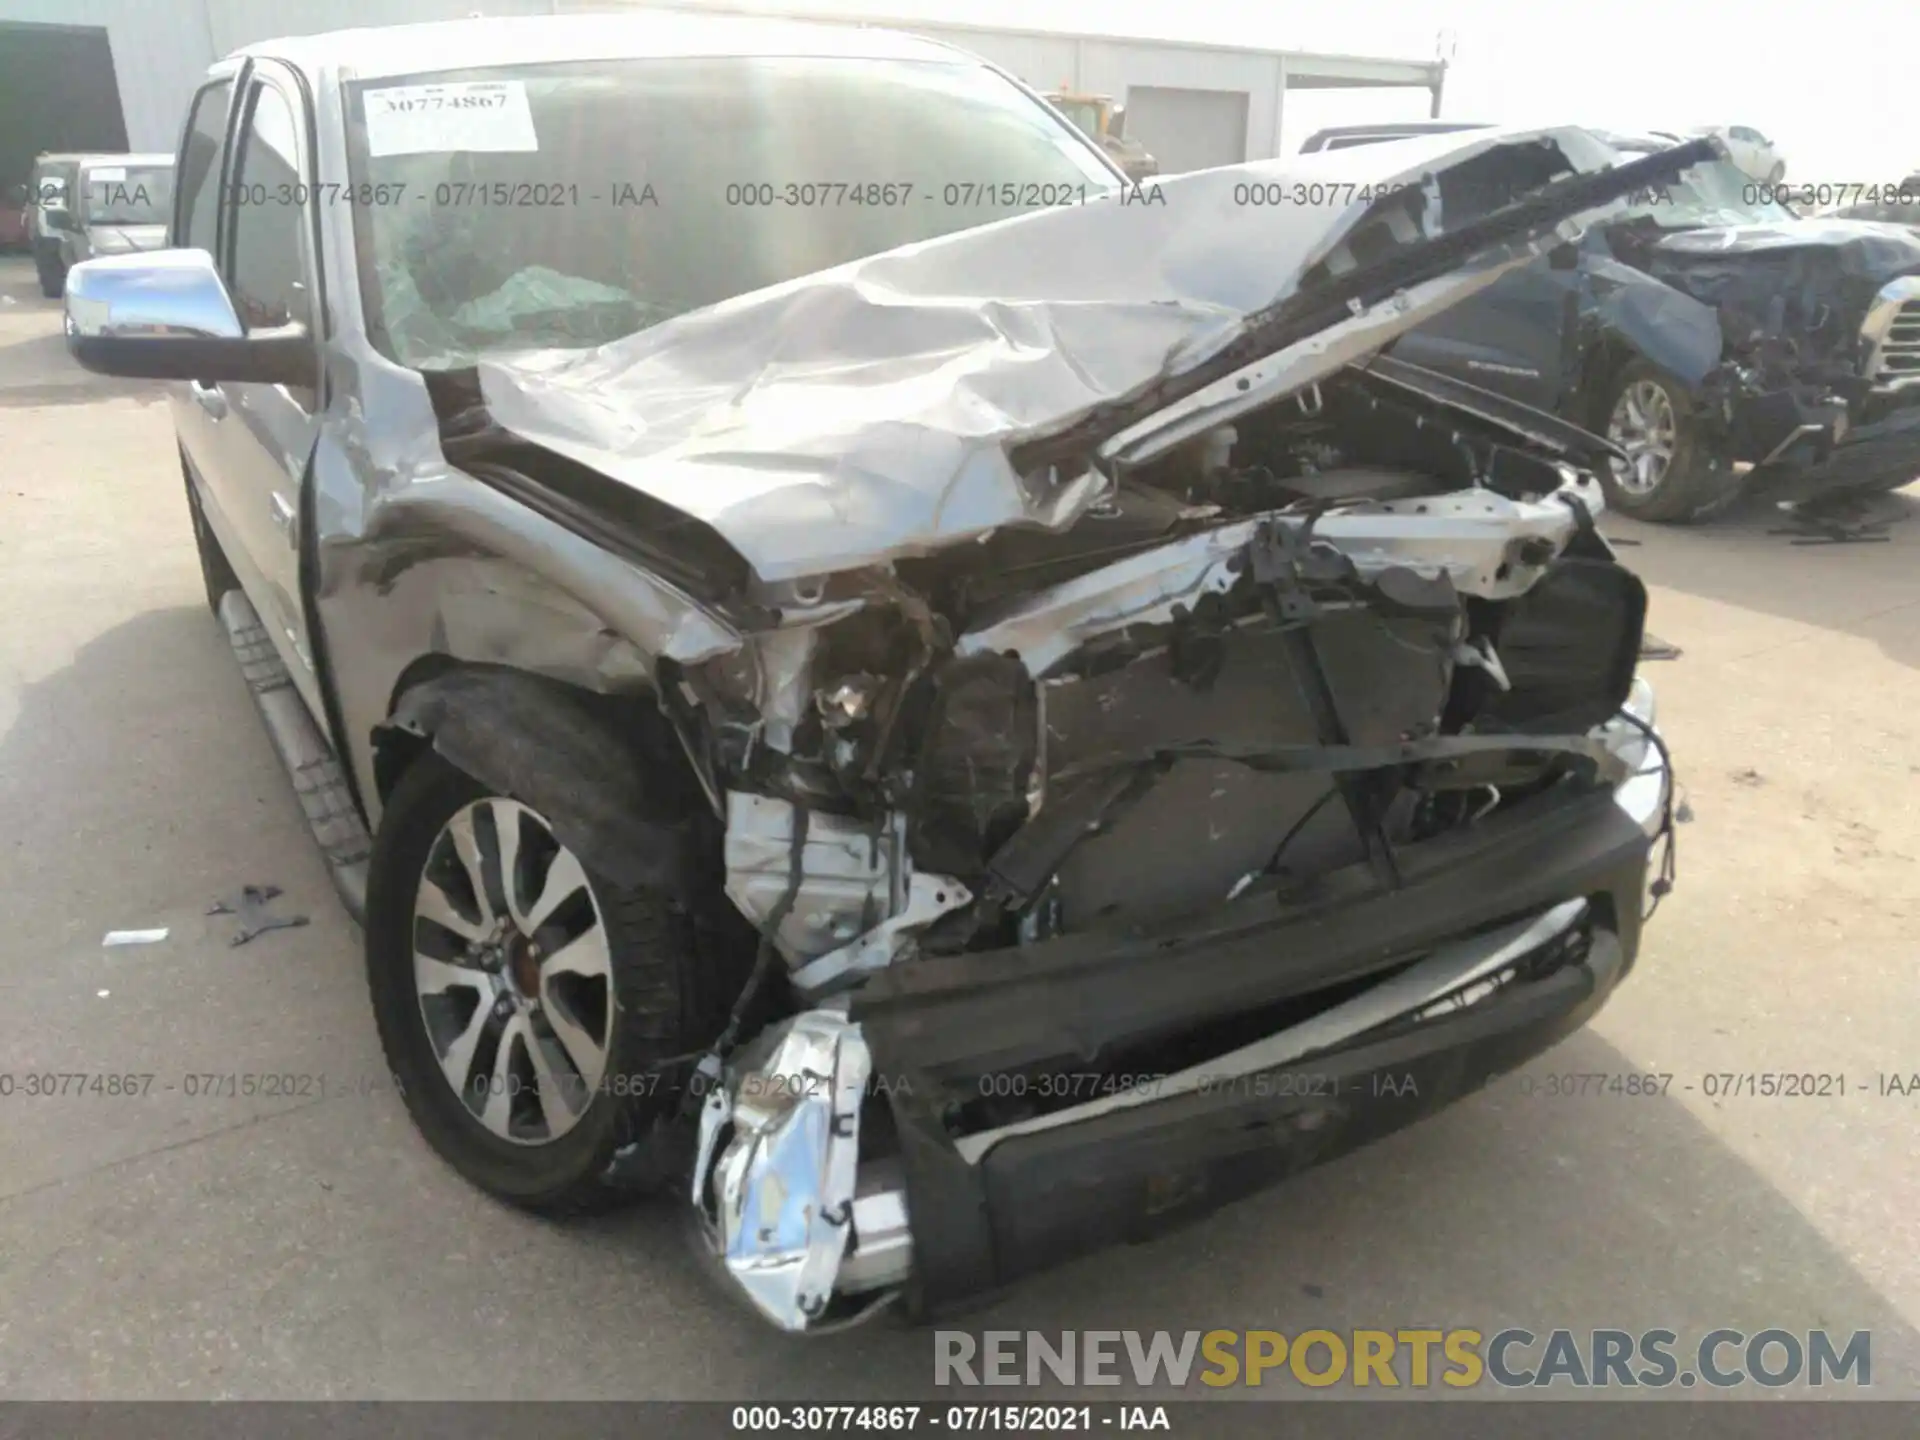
159, 51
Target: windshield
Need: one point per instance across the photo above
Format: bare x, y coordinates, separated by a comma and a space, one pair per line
1082, 113
569, 205
1715, 192
127, 194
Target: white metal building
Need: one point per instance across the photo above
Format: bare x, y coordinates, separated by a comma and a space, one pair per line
1191, 104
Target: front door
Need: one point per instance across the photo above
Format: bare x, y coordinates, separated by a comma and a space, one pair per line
266, 433
1510, 337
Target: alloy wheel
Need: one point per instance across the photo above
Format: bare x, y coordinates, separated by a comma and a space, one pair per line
512, 971
1643, 425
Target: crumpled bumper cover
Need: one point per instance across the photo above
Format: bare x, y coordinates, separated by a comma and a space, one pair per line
1504, 947
1881, 453
1039, 1196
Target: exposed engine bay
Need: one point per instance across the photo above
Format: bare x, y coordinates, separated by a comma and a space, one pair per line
1356, 622
1258, 659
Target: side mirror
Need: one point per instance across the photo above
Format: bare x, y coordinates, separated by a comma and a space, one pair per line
1564, 257
166, 315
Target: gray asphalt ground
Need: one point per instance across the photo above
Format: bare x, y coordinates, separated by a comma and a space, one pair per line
169, 1246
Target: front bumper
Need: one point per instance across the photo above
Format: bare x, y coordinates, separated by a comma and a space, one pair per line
1486, 954
1883, 453
1818, 445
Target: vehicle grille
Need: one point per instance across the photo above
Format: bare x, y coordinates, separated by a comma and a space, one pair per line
1899, 353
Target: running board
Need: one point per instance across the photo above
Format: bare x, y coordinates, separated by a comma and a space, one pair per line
310, 761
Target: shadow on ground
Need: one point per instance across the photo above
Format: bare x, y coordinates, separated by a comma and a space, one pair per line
1736, 559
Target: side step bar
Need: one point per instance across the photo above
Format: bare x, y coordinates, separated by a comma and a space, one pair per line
317, 777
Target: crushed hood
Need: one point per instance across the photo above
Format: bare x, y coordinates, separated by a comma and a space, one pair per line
1866, 246
891, 406
1809, 282
1827, 259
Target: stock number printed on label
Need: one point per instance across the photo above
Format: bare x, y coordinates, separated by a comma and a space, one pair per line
483, 115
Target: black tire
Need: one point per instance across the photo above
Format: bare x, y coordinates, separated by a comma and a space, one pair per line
1695, 484
665, 1001
1778, 173
214, 570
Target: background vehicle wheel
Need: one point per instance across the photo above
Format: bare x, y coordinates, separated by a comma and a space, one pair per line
521, 998
52, 274
1778, 173
1668, 475
214, 569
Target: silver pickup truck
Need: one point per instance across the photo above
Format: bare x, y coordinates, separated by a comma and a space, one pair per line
945, 706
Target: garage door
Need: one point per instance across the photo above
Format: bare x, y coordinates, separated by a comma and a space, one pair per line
57, 92
1189, 129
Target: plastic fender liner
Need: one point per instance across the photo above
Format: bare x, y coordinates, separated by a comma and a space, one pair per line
1570, 647
607, 795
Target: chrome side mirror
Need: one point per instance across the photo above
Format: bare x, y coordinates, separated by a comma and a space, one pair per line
166, 315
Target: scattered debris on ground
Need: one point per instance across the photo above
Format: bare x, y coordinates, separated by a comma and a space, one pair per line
1652, 647
250, 906
1841, 518
134, 937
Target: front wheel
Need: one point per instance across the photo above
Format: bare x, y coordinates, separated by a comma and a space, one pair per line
1778, 173
522, 1000
1668, 473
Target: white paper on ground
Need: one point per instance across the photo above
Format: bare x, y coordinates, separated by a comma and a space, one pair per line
134, 937
490, 115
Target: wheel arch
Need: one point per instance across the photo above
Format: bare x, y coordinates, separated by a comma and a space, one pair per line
606, 771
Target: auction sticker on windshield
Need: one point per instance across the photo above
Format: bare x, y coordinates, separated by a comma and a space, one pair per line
485, 115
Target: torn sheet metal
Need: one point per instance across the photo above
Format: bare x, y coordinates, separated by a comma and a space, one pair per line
1477, 538
1803, 278
868, 411
1672, 329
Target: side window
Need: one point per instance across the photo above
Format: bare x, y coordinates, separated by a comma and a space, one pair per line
1741, 132
197, 195
267, 274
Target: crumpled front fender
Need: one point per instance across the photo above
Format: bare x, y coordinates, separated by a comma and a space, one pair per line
1655, 321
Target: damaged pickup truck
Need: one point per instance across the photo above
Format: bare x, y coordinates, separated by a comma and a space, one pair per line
945, 744
1723, 342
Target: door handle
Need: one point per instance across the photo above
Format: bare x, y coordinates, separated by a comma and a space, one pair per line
284, 516
208, 398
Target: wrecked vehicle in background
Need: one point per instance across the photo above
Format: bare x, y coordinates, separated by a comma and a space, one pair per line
1720, 340
946, 756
